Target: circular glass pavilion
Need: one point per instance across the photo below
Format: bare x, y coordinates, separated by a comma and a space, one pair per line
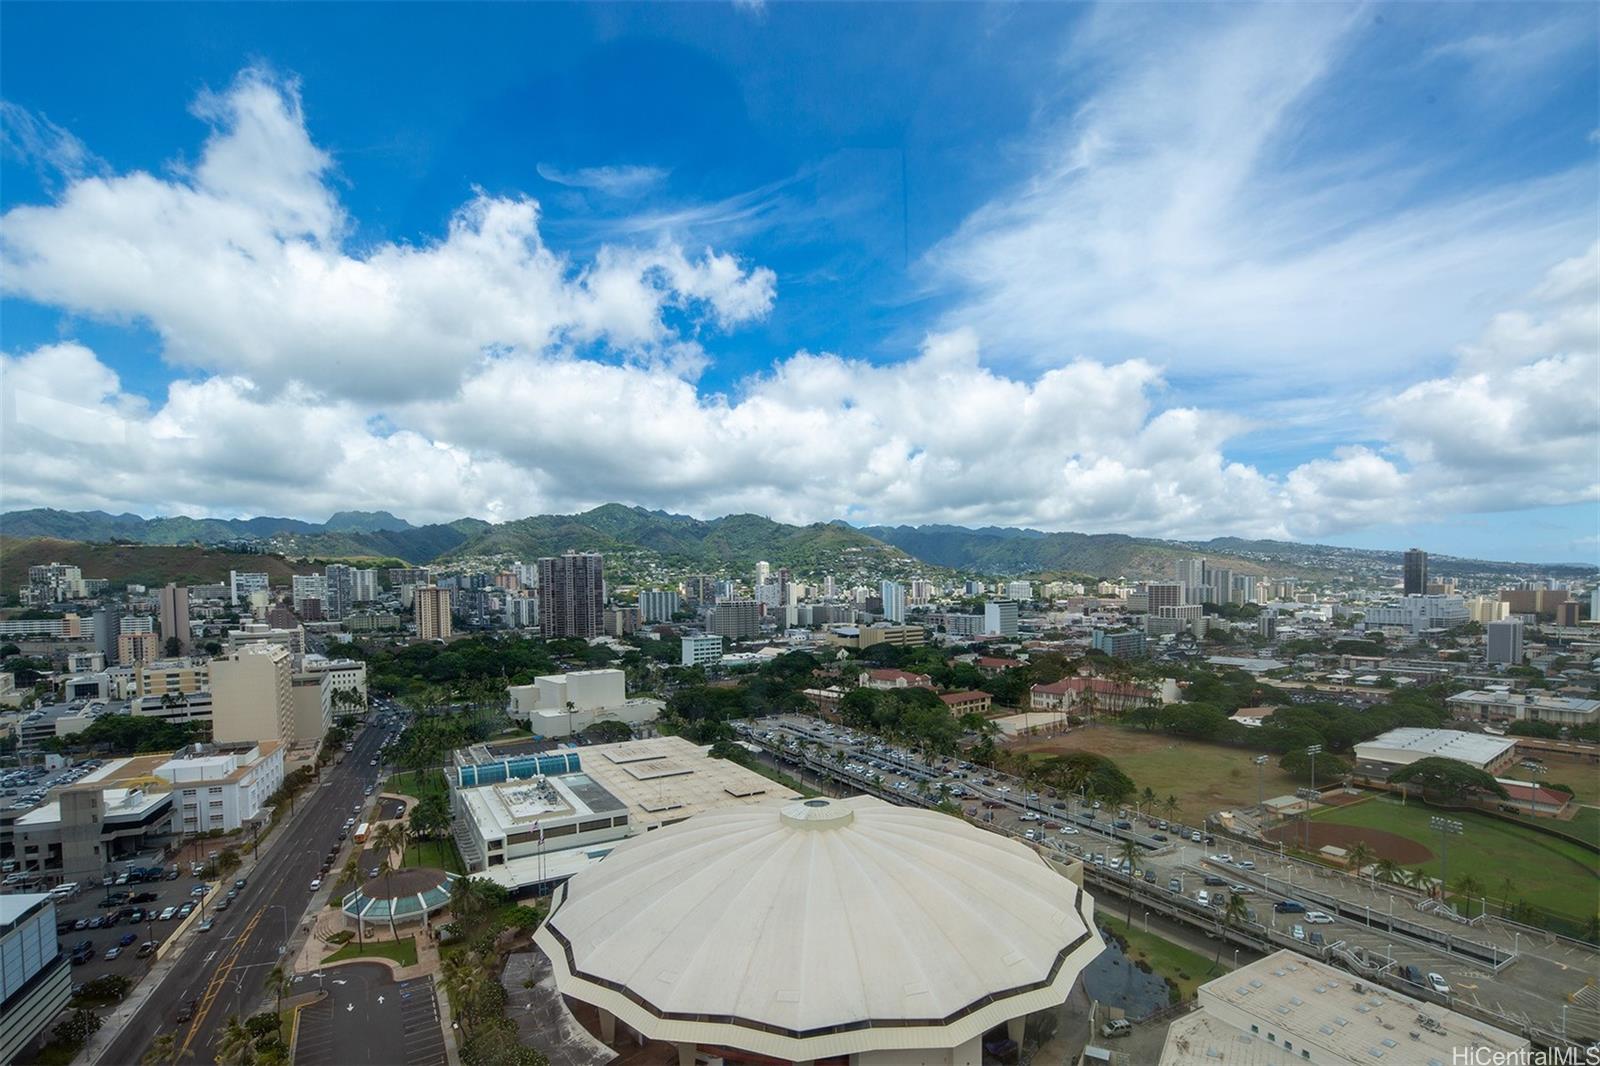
410, 895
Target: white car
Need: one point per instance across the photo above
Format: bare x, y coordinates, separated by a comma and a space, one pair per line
316, 883
1225, 858
1299, 932
1440, 985
1318, 918
1030, 817
1246, 864
166, 915
1068, 831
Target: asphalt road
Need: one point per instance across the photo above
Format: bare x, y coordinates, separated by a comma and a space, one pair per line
225, 970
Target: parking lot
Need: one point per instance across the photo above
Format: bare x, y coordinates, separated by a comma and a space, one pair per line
132, 917
368, 1017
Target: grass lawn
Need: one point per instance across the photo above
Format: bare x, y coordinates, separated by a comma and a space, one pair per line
1546, 872
402, 951
411, 783
1585, 825
1187, 969
429, 852
1577, 774
1202, 777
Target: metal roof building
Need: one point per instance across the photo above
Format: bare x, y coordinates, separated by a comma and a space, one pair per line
1401, 747
844, 930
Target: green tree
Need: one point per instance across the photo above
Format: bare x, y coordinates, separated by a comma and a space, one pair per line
1360, 856
1128, 852
1234, 914
278, 982
235, 1045
162, 1051
1447, 779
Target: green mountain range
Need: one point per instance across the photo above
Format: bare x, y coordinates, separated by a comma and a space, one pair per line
728, 545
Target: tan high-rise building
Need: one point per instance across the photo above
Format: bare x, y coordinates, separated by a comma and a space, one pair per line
179, 677
252, 695
174, 610
432, 610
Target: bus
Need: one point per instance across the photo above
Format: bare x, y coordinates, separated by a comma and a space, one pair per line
361, 833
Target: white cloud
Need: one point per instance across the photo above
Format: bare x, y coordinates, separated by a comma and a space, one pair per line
55, 153
239, 265
450, 378
1180, 212
618, 181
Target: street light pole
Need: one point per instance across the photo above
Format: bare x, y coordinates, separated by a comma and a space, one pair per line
1261, 801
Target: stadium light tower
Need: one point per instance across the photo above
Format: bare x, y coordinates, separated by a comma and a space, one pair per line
1446, 828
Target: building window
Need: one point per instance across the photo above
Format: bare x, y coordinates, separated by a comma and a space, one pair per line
1256, 1029
1272, 1037
215, 790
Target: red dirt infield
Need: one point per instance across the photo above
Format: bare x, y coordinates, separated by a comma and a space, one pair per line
1385, 845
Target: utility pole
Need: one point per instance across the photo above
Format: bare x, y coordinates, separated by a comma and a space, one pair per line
1305, 818
1261, 802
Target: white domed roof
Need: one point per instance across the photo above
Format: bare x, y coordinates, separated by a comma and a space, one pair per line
820, 927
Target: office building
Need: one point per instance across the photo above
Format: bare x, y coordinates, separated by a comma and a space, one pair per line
572, 595
431, 610
312, 694
292, 639
792, 982
1500, 707
657, 605
1415, 570
893, 595
107, 624
736, 620
1289, 1008
172, 605
1419, 614
252, 694
223, 787
1000, 618
1119, 643
1021, 591
1503, 642
702, 650
176, 677
35, 979
1164, 594
621, 621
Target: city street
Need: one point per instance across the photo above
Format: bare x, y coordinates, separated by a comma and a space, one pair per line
223, 972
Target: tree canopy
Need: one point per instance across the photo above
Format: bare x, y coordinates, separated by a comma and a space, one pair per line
1447, 778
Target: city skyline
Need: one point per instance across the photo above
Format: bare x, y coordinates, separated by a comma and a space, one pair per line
1310, 275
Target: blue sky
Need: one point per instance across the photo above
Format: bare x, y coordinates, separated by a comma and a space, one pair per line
1320, 273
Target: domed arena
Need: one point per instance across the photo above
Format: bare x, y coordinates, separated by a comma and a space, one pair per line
820, 930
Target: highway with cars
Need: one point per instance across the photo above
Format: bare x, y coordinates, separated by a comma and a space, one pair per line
1287, 902
222, 971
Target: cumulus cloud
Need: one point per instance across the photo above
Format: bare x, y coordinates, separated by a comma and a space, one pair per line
238, 263
458, 376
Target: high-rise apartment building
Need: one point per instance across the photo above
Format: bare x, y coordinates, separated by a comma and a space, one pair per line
173, 607
1416, 573
134, 648
522, 612
700, 589
893, 595
252, 695
431, 607
1504, 642
303, 587
572, 592
241, 584
1164, 594
735, 620
1021, 591
107, 628
763, 572
657, 605
1192, 576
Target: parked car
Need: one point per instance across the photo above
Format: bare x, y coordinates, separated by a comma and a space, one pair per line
1289, 906
147, 949
126, 939
1318, 918
1439, 984
166, 915
1115, 1028
1299, 932
316, 883
1203, 898
112, 953
1175, 885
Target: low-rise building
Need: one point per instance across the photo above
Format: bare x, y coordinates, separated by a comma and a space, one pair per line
223, 786
702, 650
1106, 696
1497, 705
1289, 1008
887, 679
175, 676
859, 638
972, 701
565, 704
1402, 747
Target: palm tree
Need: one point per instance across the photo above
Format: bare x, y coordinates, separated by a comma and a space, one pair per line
465, 975
235, 1047
1507, 887
1360, 856
1129, 853
1390, 871
350, 874
278, 982
1172, 807
163, 1050
1234, 914
1468, 888
1148, 798
386, 871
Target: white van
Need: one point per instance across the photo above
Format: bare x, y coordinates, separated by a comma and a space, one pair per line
65, 891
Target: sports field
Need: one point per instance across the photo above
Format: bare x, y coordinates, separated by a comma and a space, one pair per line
1204, 778
1544, 871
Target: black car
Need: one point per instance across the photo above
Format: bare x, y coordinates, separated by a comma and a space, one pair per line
82, 945
1289, 906
1213, 879
80, 957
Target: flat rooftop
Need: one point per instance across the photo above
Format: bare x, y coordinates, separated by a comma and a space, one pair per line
1447, 743
514, 806
1316, 1006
